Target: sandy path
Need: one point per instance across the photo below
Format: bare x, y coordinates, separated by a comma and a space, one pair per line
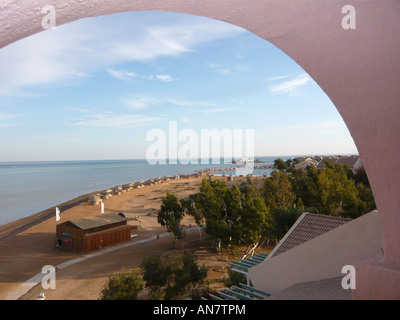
83, 279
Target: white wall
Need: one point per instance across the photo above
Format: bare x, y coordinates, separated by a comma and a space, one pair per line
322, 257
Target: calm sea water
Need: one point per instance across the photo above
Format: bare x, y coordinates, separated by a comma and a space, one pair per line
29, 187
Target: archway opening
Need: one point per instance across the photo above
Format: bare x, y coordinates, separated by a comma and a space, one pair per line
93, 89
336, 75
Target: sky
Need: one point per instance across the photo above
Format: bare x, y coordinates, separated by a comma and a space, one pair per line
93, 89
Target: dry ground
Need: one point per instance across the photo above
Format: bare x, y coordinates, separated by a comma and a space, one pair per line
23, 255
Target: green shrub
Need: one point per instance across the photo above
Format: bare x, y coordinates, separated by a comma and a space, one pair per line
171, 278
234, 278
122, 286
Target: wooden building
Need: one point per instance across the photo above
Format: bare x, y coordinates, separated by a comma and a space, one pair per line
88, 234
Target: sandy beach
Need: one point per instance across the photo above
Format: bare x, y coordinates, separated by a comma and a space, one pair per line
23, 255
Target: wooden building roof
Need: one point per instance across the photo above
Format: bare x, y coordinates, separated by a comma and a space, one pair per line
97, 221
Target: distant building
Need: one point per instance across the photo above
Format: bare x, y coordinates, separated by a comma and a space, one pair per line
245, 160
354, 162
88, 234
305, 162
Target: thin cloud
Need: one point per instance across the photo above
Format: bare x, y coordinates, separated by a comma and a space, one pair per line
81, 110
53, 138
290, 86
225, 72
323, 127
129, 75
5, 119
165, 77
228, 70
141, 103
77, 50
269, 79
237, 101
188, 103
8, 116
122, 75
145, 102
160, 77
7, 125
218, 110
116, 121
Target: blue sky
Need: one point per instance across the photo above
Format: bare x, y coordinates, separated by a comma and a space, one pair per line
93, 89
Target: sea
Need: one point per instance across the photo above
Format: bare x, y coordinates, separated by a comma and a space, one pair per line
30, 187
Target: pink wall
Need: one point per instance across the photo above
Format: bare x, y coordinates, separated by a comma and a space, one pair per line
358, 69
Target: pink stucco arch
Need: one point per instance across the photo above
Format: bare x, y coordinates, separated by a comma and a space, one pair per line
359, 69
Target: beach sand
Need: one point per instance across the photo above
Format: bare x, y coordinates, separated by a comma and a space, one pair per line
23, 255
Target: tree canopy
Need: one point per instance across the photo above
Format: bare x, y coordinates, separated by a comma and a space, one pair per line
232, 214
247, 212
171, 278
170, 216
122, 286
280, 164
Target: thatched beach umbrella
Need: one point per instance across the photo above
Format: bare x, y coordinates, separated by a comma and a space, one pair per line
94, 199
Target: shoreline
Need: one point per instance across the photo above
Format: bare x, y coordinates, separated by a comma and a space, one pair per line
14, 227
29, 245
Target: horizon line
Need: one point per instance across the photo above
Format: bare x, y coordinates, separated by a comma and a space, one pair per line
143, 159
